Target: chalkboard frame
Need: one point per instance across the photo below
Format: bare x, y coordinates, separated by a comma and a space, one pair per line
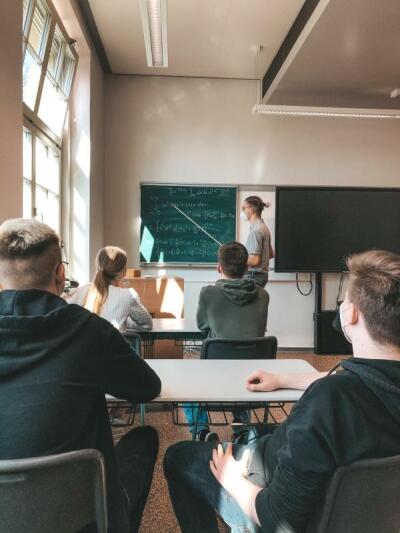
152, 264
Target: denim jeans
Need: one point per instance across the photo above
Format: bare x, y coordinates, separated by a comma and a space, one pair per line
259, 277
197, 496
195, 413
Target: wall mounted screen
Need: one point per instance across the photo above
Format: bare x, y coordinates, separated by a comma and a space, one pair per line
316, 228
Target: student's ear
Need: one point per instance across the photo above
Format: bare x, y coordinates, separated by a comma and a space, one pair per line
60, 277
353, 314
219, 269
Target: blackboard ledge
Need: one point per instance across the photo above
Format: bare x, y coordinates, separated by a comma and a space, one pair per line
178, 265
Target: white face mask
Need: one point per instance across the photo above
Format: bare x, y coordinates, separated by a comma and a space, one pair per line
342, 323
243, 216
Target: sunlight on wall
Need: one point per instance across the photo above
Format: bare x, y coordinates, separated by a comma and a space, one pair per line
83, 155
172, 301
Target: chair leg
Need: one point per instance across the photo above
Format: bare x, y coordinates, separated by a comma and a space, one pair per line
142, 414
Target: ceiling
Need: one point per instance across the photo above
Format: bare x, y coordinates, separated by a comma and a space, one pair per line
350, 57
207, 38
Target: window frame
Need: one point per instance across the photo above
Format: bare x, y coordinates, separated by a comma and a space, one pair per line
49, 30
36, 133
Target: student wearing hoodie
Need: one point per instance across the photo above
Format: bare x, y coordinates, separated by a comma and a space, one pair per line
277, 482
232, 308
57, 362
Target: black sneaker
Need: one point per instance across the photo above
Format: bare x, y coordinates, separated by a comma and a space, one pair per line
205, 435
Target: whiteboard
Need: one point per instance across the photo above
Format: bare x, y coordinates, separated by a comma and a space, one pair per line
269, 218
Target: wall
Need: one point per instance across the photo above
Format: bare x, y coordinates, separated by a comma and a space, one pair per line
187, 130
83, 148
11, 109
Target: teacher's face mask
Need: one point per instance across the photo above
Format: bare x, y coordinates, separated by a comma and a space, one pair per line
243, 216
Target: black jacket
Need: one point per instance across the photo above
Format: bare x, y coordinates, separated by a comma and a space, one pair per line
57, 362
352, 415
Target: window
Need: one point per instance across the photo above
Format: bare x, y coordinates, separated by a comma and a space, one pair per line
36, 32
48, 67
41, 179
48, 71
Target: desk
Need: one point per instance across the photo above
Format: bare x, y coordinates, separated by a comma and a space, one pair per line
178, 329
216, 380
220, 381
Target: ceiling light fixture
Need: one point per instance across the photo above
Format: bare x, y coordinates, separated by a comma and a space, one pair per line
343, 112
395, 93
154, 22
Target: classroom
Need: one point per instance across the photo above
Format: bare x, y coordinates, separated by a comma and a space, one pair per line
199, 266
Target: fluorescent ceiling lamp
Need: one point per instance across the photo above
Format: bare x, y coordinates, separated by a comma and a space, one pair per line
346, 112
154, 21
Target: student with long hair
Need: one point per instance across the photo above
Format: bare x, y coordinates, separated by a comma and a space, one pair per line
104, 296
258, 243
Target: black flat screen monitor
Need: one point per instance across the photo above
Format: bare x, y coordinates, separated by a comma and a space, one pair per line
316, 228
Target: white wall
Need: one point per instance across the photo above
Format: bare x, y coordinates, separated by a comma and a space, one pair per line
187, 130
10, 109
83, 149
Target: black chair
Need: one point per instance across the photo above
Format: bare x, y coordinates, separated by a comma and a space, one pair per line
256, 348
135, 341
115, 406
58, 493
362, 498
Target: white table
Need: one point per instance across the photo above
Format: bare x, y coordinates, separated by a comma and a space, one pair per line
216, 380
178, 329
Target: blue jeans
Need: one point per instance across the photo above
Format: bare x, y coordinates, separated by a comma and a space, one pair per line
197, 496
195, 413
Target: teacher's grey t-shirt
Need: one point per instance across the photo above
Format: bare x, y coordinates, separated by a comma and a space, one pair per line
258, 243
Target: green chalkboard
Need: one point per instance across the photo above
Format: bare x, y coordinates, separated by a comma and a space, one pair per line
167, 236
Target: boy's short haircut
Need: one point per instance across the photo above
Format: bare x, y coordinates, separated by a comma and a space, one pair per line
232, 258
29, 253
374, 288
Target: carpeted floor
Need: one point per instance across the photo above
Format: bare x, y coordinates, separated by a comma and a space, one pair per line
159, 516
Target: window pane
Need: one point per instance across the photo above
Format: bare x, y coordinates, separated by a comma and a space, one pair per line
27, 154
53, 107
67, 72
55, 52
48, 208
41, 16
31, 77
25, 12
47, 168
27, 199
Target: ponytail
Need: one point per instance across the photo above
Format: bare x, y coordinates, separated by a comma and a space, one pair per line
256, 203
110, 265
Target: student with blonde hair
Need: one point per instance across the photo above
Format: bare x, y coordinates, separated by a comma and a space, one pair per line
104, 296
57, 363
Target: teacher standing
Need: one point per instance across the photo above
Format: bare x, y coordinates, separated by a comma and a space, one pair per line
258, 243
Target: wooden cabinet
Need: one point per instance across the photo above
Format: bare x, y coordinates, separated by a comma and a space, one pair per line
164, 298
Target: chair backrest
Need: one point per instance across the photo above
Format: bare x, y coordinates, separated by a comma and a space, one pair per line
58, 493
256, 348
135, 341
362, 498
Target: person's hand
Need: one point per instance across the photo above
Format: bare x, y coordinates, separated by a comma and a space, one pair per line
229, 472
263, 381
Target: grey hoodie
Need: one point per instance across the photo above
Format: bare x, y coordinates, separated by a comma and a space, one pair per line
233, 308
